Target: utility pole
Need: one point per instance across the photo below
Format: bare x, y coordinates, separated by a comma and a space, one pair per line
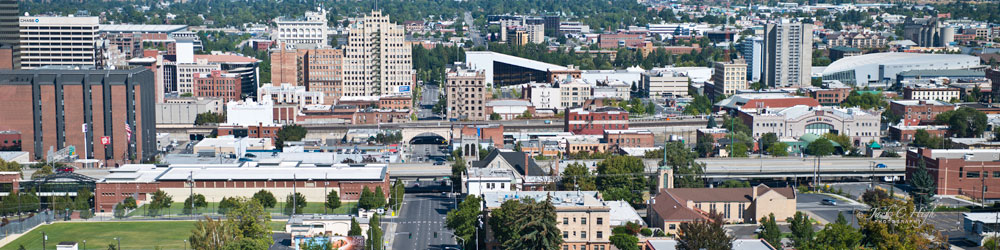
191, 196
325, 183
294, 194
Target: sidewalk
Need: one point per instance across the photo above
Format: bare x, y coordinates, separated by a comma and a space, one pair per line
12, 237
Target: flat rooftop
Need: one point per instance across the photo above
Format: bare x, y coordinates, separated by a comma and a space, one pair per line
559, 198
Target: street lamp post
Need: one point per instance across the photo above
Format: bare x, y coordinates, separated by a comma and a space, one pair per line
44, 238
119, 241
84, 244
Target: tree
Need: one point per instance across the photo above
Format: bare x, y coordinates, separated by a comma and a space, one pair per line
517, 147
298, 203
333, 200
874, 197
819, 148
924, 187
355, 227
771, 232
458, 169
526, 114
991, 243
464, 219
503, 220
45, 170
963, 122
778, 149
161, 200
374, 239
704, 234
578, 177
802, 230
249, 223
768, 139
265, 198
129, 203
625, 241
868, 100
379, 197
209, 234
197, 201
367, 200
704, 146
289, 133
843, 140
891, 225
227, 204
735, 184
838, 235
396, 194
537, 228
622, 178
209, 117
495, 117
9, 166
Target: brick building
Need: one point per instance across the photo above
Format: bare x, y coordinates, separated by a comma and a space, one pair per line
583, 218
466, 91
915, 112
905, 133
49, 107
251, 131
10, 141
595, 120
610, 41
830, 96
219, 84
632, 138
230, 180
959, 171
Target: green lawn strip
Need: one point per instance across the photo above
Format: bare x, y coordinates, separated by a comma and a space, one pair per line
134, 235
177, 208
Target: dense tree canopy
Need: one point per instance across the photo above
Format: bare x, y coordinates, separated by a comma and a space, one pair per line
963, 122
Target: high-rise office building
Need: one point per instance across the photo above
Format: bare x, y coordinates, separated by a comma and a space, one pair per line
58, 109
752, 49
787, 54
377, 60
9, 34
59, 40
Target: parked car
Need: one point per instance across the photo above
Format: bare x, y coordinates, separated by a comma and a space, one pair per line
65, 170
830, 202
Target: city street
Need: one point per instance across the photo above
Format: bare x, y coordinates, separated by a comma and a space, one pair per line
423, 216
811, 203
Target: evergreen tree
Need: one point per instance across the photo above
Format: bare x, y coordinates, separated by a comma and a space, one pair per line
265, 198
374, 239
355, 228
704, 234
379, 197
923, 186
332, 200
298, 203
802, 230
538, 228
771, 232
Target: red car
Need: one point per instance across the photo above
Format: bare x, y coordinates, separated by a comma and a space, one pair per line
65, 170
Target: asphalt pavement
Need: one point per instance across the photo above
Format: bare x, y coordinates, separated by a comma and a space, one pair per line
423, 216
811, 203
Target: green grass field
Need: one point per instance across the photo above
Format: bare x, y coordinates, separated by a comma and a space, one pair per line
311, 208
134, 235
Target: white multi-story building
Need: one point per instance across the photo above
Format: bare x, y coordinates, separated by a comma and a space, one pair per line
290, 94
312, 29
544, 96
59, 41
613, 90
788, 54
377, 60
574, 92
249, 113
664, 83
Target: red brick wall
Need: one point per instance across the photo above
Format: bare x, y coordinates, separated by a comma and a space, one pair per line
951, 177
106, 195
16, 114
596, 122
630, 140
98, 120
6, 59
118, 117
73, 117
916, 114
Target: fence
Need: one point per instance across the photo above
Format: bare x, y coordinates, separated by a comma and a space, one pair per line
24, 224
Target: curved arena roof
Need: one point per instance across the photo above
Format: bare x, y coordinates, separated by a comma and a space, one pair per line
867, 66
852, 62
